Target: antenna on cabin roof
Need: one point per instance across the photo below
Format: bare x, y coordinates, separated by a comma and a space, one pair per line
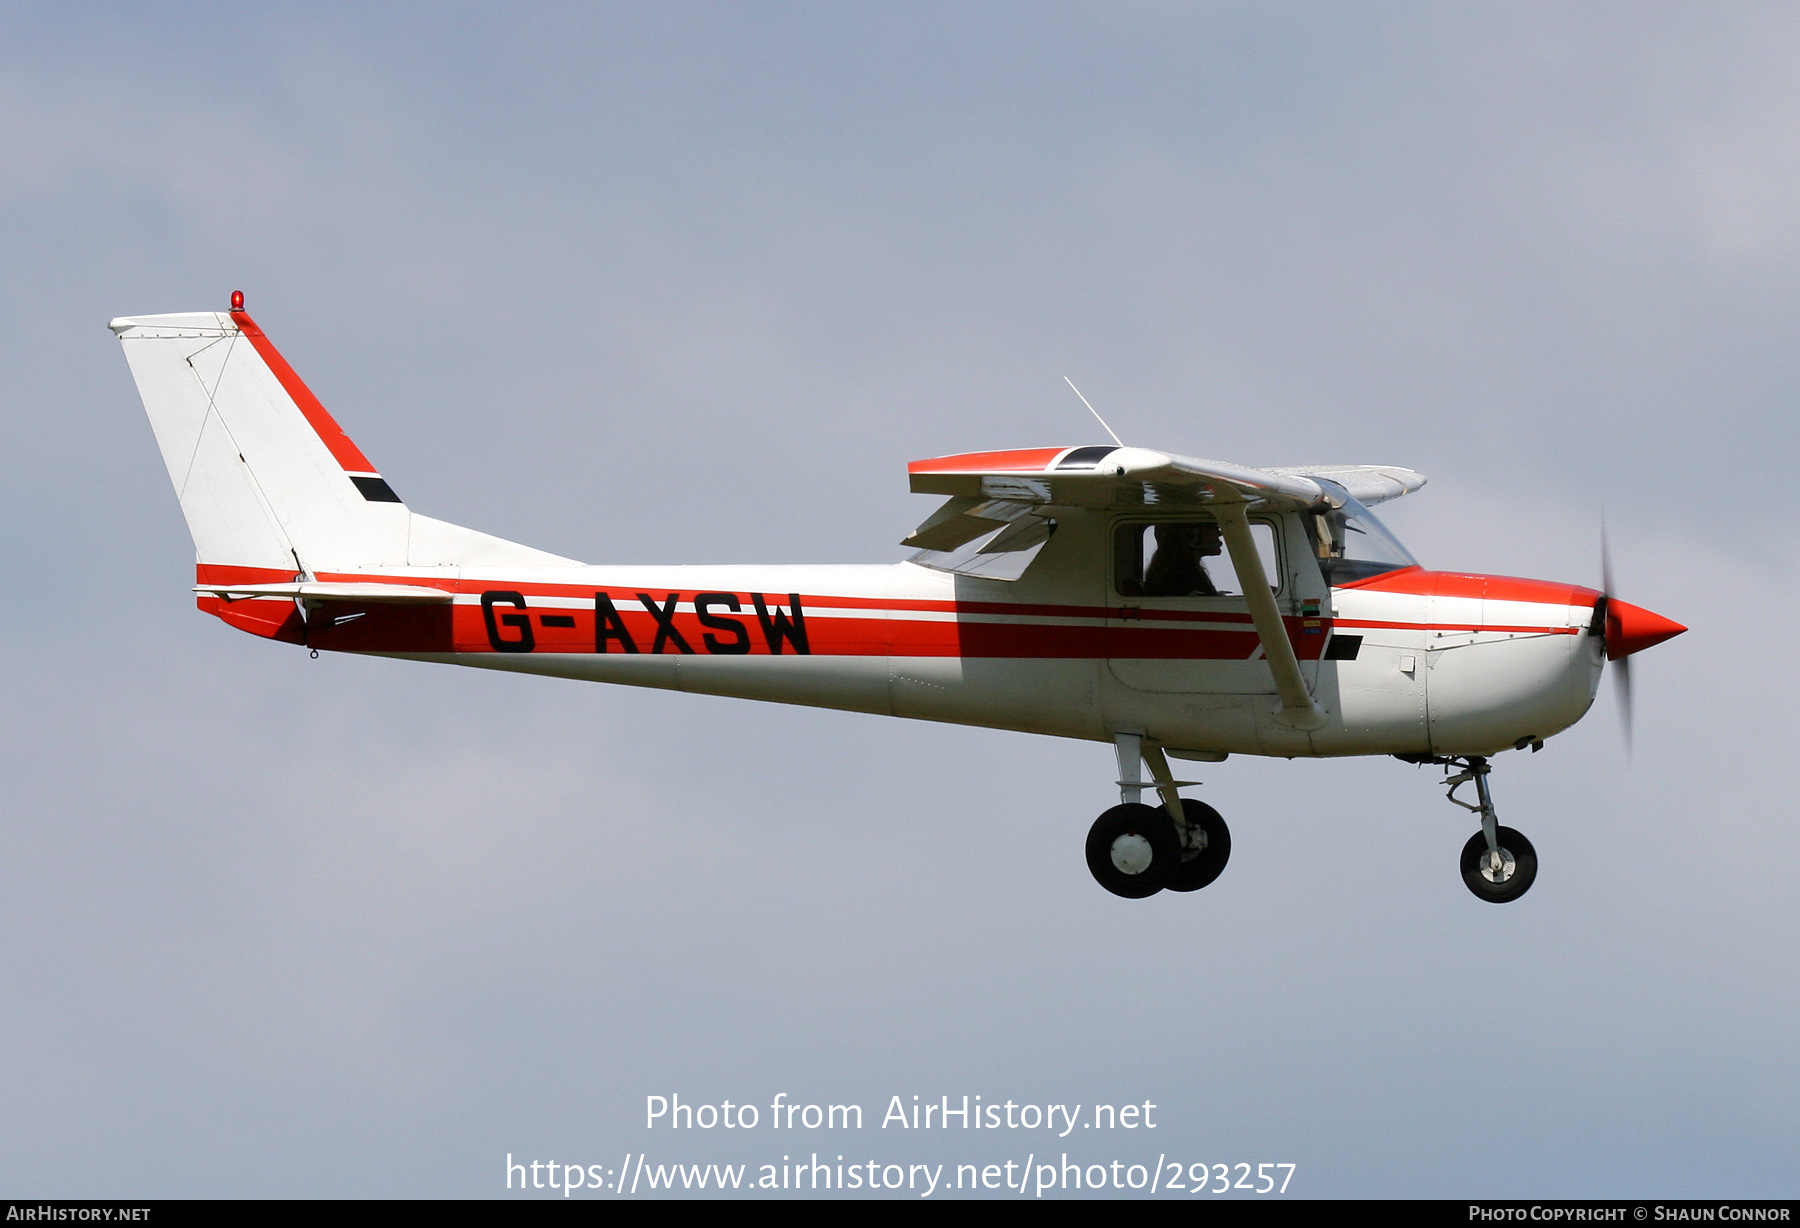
1093, 411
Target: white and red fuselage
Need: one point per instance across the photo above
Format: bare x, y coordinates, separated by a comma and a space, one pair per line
1408, 661
1447, 664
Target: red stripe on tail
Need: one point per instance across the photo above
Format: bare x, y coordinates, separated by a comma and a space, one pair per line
330, 433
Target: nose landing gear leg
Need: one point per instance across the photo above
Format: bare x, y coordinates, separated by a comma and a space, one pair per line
1498, 864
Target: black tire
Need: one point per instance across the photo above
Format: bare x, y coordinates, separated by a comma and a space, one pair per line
1132, 849
1199, 867
1523, 867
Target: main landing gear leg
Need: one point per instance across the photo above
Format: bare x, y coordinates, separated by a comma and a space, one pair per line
1498, 864
1129, 747
1135, 850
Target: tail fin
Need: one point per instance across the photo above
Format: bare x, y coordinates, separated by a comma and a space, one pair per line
266, 478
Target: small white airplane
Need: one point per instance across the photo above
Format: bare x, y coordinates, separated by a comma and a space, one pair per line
1174, 607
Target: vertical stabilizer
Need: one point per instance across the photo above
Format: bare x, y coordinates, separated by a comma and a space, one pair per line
265, 476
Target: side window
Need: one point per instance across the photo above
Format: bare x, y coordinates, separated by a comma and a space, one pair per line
1185, 558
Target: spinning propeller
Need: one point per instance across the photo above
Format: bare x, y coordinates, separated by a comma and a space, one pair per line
1627, 629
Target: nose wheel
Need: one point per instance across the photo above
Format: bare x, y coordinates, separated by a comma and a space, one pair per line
1501, 874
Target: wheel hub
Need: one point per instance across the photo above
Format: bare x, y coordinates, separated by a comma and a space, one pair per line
1498, 866
1132, 854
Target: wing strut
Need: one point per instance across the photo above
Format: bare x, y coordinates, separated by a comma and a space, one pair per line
1298, 708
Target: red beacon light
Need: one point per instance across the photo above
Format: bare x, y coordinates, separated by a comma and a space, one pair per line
237, 300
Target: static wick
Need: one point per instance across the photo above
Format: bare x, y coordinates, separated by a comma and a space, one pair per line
1095, 412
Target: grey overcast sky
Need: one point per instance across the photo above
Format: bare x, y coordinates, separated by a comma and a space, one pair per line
691, 283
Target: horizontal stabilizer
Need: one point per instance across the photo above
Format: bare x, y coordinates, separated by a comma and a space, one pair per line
314, 590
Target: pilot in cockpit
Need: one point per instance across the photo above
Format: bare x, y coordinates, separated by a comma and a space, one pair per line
1177, 568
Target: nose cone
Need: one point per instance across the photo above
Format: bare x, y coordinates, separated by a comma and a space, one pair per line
1631, 628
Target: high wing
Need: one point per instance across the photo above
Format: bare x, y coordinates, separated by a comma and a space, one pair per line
999, 501
998, 515
1115, 477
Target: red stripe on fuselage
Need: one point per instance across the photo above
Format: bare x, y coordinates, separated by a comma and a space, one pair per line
463, 627
980, 629
345, 452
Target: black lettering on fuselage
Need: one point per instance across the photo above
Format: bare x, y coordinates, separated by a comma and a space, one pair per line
526, 641
740, 641
664, 615
608, 626
778, 627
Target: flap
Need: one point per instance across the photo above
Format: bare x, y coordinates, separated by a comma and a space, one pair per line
962, 519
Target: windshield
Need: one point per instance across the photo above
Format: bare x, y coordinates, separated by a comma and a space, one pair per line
1352, 545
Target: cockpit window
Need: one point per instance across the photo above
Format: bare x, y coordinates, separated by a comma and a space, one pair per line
1184, 558
1352, 545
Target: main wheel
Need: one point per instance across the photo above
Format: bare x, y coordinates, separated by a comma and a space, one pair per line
1132, 849
1210, 848
1501, 879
